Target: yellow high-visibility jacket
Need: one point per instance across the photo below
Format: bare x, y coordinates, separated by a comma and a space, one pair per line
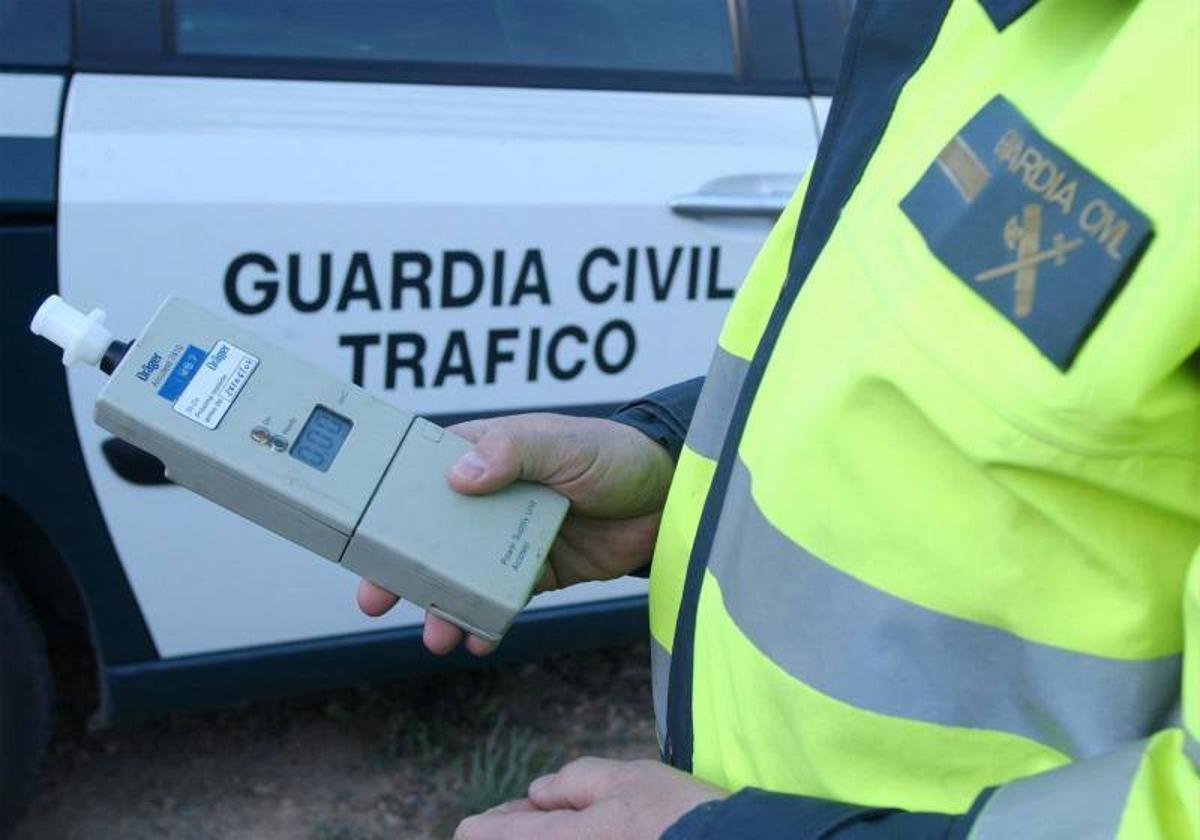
934, 530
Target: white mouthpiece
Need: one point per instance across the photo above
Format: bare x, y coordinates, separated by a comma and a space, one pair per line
83, 338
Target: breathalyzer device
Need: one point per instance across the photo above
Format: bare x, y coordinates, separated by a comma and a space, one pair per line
314, 459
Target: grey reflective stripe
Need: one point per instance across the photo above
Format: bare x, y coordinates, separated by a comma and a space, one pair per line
660, 672
710, 421
1082, 801
879, 652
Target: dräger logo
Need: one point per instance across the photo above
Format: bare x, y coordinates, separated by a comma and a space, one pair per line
152, 364
214, 361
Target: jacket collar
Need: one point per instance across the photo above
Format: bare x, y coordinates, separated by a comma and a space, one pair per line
1004, 12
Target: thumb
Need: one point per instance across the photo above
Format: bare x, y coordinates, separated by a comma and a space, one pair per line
525, 447
578, 785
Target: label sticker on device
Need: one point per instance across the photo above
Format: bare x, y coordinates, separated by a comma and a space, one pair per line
216, 384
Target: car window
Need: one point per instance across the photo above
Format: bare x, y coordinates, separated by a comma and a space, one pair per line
35, 32
770, 38
669, 36
823, 26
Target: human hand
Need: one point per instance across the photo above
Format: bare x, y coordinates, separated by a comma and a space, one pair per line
616, 479
595, 798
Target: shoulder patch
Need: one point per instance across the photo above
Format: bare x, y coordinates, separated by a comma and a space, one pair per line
1028, 228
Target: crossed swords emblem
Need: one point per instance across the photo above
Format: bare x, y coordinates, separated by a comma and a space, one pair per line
1024, 236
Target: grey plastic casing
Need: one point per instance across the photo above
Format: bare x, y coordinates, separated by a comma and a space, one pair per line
383, 508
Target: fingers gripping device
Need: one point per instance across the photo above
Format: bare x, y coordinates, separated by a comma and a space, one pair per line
314, 459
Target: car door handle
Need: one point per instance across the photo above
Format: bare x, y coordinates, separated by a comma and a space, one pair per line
134, 465
745, 196
700, 204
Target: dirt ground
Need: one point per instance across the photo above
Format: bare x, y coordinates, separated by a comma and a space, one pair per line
404, 759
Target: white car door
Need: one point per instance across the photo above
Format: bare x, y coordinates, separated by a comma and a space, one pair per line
467, 207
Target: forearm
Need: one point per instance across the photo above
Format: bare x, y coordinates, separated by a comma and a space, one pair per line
764, 815
664, 416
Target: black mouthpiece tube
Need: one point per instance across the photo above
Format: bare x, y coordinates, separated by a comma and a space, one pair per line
113, 356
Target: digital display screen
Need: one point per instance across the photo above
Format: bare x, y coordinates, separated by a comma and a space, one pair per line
321, 438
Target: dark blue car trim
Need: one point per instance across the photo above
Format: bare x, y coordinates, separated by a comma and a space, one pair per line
228, 677
41, 463
887, 43
27, 167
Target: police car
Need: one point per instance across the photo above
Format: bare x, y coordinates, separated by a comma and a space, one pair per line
469, 208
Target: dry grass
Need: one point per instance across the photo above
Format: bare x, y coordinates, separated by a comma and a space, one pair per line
406, 759
502, 765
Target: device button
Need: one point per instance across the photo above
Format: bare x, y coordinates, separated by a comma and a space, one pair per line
279, 443
260, 434
431, 432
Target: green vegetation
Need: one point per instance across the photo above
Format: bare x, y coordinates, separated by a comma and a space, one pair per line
503, 764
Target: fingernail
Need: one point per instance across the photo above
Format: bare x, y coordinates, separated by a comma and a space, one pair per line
470, 466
